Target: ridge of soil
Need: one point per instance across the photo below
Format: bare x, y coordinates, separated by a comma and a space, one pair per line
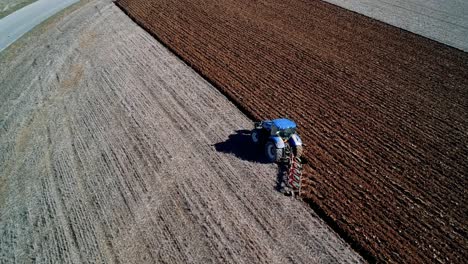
383, 111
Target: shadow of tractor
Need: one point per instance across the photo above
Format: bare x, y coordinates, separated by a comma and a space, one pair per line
240, 145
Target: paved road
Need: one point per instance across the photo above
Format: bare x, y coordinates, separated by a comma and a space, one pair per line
113, 150
444, 21
15, 25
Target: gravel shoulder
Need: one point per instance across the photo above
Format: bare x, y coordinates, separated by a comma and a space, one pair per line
113, 150
444, 21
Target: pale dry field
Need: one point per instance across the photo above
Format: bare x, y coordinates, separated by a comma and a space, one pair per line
108, 154
444, 21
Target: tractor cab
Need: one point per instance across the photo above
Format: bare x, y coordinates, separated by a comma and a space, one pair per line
279, 137
283, 127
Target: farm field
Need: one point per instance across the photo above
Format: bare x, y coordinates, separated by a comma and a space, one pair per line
444, 21
112, 150
383, 112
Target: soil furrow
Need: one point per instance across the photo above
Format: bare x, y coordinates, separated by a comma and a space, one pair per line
383, 111
109, 153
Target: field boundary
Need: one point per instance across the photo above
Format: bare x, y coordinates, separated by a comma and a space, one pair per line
356, 246
381, 110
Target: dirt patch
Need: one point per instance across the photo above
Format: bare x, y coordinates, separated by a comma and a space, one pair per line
383, 112
72, 78
87, 40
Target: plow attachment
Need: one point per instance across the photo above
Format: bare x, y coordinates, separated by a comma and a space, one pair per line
295, 174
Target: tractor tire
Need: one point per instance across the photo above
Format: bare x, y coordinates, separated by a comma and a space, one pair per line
255, 135
273, 153
298, 151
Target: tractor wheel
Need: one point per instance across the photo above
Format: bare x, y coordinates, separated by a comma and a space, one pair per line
273, 153
298, 151
255, 135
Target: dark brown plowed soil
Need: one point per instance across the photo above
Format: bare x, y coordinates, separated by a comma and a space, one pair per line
384, 112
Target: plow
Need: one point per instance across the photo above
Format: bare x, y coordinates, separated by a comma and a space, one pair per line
294, 174
284, 146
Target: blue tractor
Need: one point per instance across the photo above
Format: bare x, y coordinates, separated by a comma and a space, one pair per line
284, 146
279, 138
